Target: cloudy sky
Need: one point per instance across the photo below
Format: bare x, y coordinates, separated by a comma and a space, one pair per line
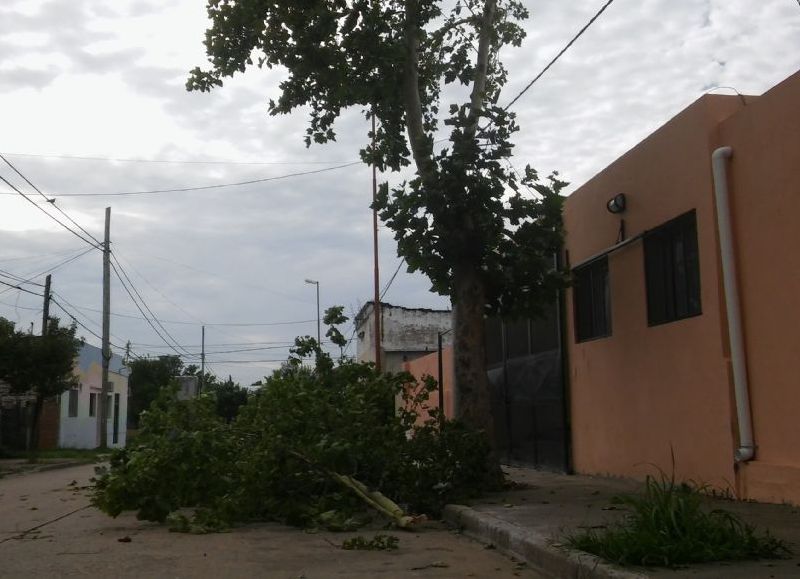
92, 101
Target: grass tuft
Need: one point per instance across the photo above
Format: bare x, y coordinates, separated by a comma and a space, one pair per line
667, 526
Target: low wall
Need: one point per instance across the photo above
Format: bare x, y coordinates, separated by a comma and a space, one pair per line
429, 366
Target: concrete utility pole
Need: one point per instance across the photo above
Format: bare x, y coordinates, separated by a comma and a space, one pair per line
106, 355
202, 360
46, 308
376, 305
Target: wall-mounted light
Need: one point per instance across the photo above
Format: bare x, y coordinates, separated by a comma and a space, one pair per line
616, 204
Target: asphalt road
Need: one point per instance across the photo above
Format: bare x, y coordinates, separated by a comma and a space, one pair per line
48, 529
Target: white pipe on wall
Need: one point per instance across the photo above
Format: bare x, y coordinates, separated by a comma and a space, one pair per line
746, 449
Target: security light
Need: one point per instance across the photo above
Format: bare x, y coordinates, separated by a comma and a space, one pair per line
616, 204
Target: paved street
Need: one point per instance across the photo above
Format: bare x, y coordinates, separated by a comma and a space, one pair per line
48, 529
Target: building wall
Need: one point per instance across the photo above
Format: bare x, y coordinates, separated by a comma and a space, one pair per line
631, 390
406, 334
49, 424
644, 394
764, 176
81, 431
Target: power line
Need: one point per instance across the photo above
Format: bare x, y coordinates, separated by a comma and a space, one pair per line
81, 324
55, 267
168, 161
96, 323
51, 201
22, 289
241, 350
63, 263
394, 275
138, 307
259, 324
205, 187
117, 269
50, 215
131, 316
162, 294
557, 56
223, 344
213, 324
39, 256
16, 306
226, 278
284, 347
18, 279
278, 360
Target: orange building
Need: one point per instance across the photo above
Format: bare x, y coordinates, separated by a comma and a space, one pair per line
682, 329
665, 354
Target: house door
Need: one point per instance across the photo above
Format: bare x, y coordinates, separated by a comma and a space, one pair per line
524, 360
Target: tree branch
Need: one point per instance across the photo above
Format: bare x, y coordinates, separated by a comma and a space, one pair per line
421, 146
481, 68
437, 36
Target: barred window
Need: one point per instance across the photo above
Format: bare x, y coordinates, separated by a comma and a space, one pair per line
72, 406
592, 301
672, 271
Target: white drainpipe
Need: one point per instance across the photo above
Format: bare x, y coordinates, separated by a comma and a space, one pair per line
746, 449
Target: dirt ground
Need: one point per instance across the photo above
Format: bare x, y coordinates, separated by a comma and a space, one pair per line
48, 529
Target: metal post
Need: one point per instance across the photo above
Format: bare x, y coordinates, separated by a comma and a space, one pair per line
319, 334
441, 377
441, 371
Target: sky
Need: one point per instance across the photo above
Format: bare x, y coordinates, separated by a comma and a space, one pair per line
92, 101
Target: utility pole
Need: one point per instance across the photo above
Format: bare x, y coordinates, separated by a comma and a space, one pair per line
46, 308
376, 304
106, 354
202, 360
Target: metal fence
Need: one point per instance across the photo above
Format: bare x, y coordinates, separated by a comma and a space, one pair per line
525, 366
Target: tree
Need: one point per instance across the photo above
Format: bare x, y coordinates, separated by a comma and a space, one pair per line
469, 223
39, 365
205, 379
148, 376
228, 397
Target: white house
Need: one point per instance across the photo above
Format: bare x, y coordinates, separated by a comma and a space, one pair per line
79, 410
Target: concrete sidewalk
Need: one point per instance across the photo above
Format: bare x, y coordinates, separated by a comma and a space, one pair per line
530, 523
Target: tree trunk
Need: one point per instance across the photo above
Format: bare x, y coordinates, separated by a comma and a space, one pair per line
472, 391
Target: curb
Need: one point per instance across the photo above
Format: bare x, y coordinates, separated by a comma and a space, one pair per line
534, 548
43, 467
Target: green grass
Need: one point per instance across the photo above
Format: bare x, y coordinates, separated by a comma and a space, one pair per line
668, 525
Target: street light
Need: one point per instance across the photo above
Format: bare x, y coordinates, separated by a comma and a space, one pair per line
319, 336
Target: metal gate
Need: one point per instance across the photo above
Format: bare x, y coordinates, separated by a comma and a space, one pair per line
15, 420
525, 367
